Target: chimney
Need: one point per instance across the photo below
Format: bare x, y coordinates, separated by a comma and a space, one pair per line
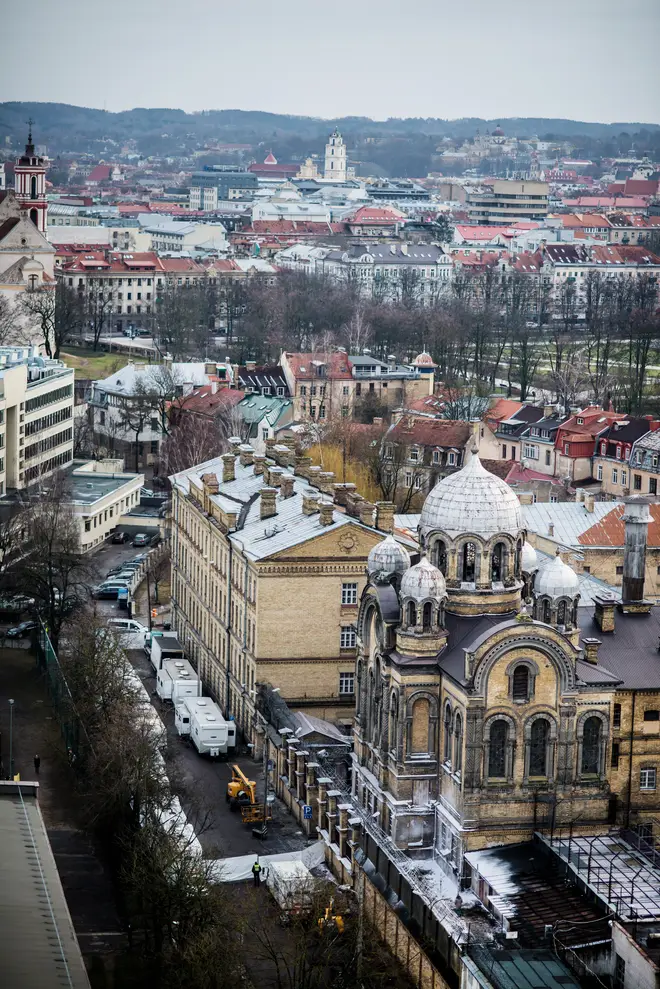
604, 612
250, 366
589, 501
286, 485
526, 498
327, 512
591, 649
235, 444
313, 475
259, 461
210, 482
275, 476
366, 510
385, 516
551, 528
214, 387
547, 411
228, 467
579, 495
246, 454
310, 503
268, 506
636, 516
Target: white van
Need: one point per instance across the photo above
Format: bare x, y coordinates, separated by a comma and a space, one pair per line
131, 633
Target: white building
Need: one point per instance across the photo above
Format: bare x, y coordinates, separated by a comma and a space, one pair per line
36, 417
167, 234
100, 492
335, 158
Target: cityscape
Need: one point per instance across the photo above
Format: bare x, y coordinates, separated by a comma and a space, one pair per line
329, 511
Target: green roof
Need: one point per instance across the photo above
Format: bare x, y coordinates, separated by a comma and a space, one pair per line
255, 408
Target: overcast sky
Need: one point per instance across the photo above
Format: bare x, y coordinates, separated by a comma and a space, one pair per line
583, 59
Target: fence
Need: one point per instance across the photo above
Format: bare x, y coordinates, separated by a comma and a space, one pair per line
73, 732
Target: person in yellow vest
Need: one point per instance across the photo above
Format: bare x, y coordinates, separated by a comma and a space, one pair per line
256, 871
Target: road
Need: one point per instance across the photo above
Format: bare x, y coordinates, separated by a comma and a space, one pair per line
222, 833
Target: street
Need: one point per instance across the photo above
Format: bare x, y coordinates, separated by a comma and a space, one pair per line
204, 782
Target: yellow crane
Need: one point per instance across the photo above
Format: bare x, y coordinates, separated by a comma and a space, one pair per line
242, 792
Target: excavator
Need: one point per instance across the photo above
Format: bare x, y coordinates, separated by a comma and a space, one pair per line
242, 793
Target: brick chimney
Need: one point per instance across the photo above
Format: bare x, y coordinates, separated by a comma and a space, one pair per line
310, 501
551, 528
636, 516
210, 482
286, 485
589, 502
228, 467
604, 612
246, 454
367, 512
385, 516
275, 476
259, 461
327, 512
591, 649
235, 444
268, 506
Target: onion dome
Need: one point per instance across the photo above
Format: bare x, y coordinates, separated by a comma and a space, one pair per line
529, 558
424, 360
388, 556
423, 581
557, 580
472, 500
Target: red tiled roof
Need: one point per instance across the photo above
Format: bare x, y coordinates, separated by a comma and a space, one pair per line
504, 408
101, 173
527, 262
430, 432
478, 233
182, 265
429, 405
482, 259
303, 366
611, 528
518, 474
202, 401
375, 214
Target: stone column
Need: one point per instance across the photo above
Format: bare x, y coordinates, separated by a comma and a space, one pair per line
332, 814
354, 841
301, 776
324, 782
343, 832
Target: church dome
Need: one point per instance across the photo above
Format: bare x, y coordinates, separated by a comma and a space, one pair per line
424, 360
388, 556
557, 580
529, 558
423, 581
472, 500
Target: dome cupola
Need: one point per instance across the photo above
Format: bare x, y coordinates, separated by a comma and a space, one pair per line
422, 595
529, 558
556, 594
472, 500
388, 556
423, 582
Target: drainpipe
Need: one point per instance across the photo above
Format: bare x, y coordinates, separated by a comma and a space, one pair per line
228, 633
630, 758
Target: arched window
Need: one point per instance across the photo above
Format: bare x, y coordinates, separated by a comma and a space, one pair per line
591, 746
33, 187
458, 744
439, 556
499, 736
497, 562
561, 613
538, 748
469, 561
427, 615
412, 614
421, 723
446, 755
546, 611
34, 216
394, 718
520, 683
518, 558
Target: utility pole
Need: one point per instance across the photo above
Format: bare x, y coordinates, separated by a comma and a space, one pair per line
11, 738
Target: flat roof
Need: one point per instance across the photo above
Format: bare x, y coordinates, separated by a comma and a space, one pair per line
38, 944
88, 487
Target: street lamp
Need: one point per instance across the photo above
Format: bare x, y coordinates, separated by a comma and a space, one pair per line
11, 738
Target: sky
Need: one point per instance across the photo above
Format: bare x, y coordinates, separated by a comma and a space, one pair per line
583, 59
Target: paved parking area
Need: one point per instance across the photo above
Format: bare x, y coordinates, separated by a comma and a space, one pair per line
222, 832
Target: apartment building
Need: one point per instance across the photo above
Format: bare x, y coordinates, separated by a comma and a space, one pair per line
36, 417
570, 264
612, 462
267, 572
508, 202
644, 462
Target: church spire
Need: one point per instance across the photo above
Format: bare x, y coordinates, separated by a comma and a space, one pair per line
29, 147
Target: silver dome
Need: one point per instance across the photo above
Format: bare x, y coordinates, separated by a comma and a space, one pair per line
557, 580
388, 556
472, 500
529, 558
423, 581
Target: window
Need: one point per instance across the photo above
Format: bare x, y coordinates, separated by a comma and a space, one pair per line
344, 390
615, 755
414, 454
451, 459
624, 477
530, 451
651, 715
538, 748
619, 570
469, 562
349, 593
499, 736
637, 482
591, 746
548, 456
619, 972
616, 716
503, 451
458, 744
615, 476
303, 390
436, 457
599, 472
647, 778
447, 739
347, 683
408, 478
653, 485
347, 638
520, 683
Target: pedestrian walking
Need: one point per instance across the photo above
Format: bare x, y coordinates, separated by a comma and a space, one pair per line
256, 869
37, 763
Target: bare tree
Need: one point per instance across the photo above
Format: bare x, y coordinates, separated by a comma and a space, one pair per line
10, 322
38, 307
96, 309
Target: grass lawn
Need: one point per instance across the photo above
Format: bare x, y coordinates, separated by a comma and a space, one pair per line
93, 364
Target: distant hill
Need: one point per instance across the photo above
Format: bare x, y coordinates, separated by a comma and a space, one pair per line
74, 128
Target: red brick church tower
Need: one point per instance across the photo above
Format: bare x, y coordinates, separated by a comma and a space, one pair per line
30, 185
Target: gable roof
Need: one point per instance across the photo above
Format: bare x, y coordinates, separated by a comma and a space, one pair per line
610, 530
420, 430
304, 366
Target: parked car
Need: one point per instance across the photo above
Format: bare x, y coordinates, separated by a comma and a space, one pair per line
20, 631
141, 539
140, 558
120, 537
109, 590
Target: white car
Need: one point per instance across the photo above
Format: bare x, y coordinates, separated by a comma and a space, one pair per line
132, 633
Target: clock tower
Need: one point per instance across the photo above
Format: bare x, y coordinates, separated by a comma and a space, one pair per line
30, 184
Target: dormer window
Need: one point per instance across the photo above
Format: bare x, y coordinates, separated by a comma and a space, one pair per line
618, 453
603, 449
580, 421
414, 454
265, 390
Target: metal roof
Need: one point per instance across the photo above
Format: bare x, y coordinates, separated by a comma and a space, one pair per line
38, 944
570, 519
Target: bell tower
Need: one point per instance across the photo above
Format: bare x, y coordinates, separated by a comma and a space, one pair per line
335, 158
30, 184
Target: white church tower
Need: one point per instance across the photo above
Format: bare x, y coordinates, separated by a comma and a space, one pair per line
335, 158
